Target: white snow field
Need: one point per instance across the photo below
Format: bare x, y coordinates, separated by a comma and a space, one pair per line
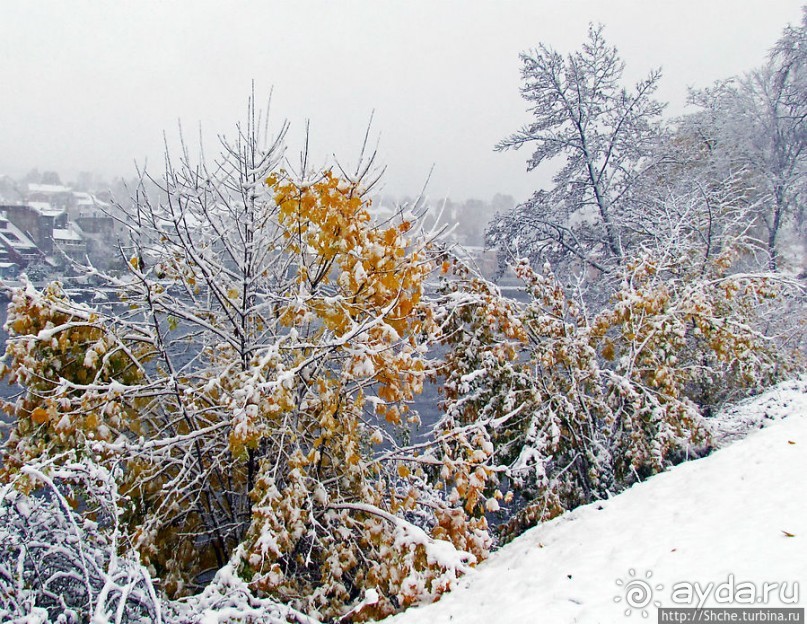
723, 526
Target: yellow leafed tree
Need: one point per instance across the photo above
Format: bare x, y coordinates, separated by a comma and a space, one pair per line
252, 389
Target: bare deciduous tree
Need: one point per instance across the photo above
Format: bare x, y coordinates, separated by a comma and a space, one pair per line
605, 132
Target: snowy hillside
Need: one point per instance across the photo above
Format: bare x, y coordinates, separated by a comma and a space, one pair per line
742, 511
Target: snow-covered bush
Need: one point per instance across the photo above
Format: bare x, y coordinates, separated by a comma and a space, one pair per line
65, 558
60, 540
571, 406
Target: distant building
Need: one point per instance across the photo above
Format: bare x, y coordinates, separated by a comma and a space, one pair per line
88, 205
480, 258
56, 195
100, 236
9, 271
15, 245
54, 223
70, 241
37, 220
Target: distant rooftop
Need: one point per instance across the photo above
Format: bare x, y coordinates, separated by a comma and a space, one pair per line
67, 234
87, 199
14, 237
45, 209
49, 188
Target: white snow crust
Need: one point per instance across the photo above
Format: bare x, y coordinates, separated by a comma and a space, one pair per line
740, 513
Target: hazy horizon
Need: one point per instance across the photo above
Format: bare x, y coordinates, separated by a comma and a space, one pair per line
92, 87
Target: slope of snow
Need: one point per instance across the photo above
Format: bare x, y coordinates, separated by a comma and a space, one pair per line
739, 515
737, 420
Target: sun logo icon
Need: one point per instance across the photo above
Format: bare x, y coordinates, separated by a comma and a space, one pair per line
637, 592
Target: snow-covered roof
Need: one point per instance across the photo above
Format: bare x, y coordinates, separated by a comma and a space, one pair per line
49, 188
66, 234
87, 199
14, 237
45, 209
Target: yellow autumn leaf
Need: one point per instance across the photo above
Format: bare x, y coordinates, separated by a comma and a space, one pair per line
40, 415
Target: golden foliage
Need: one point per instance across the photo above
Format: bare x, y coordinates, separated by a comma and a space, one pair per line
267, 457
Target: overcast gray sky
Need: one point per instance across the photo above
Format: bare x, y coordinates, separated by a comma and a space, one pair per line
92, 85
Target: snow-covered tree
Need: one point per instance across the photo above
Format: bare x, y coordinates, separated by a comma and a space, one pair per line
697, 197
790, 57
772, 139
756, 127
605, 132
254, 386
